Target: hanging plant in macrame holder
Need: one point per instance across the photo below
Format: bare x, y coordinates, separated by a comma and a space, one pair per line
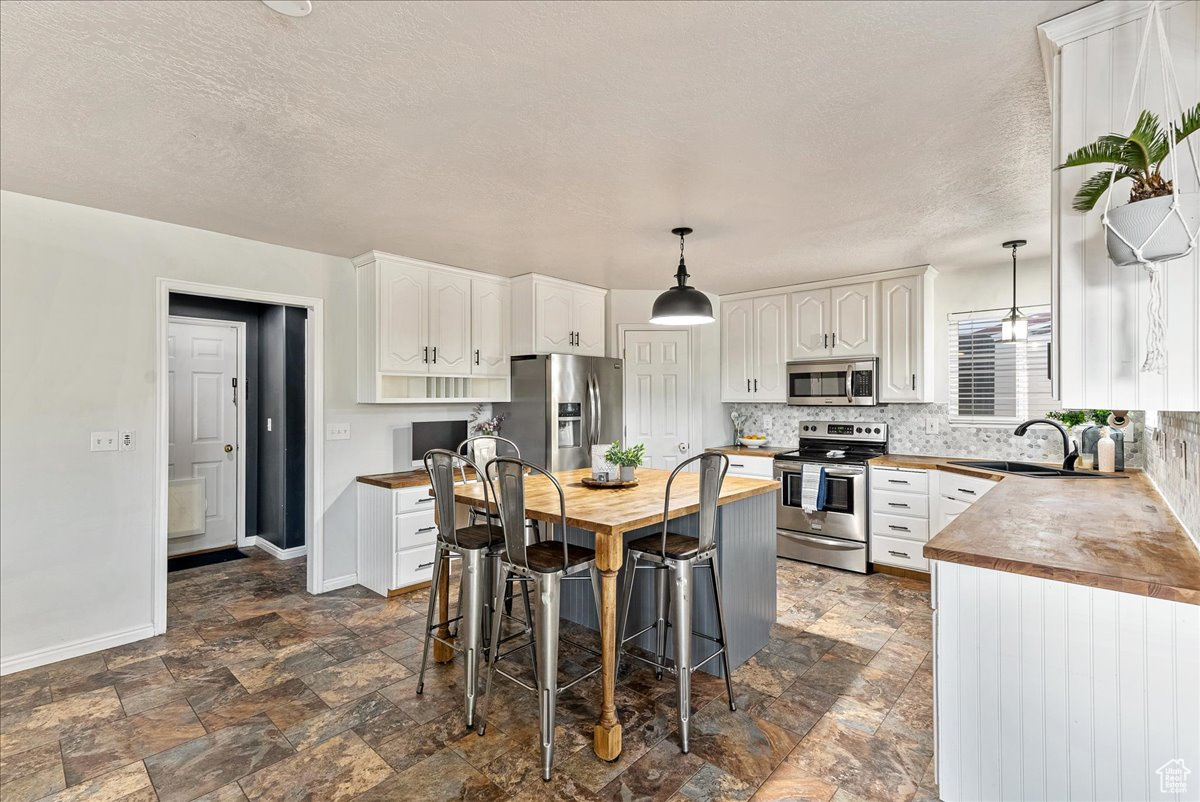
1159, 223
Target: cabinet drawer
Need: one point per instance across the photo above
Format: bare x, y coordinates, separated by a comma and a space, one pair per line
758, 467
963, 488
892, 503
413, 566
901, 553
414, 529
900, 526
899, 480
407, 499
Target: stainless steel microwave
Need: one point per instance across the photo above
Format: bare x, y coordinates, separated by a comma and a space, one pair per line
832, 382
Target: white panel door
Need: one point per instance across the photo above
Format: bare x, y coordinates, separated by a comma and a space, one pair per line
853, 332
588, 317
770, 348
202, 361
900, 339
553, 327
737, 342
658, 383
449, 324
403, 318
489, 328
809, 324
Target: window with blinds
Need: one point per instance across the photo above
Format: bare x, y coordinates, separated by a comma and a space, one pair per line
994, 382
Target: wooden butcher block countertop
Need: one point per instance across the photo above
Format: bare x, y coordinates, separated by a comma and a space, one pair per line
1116, 534
744, 451
396, 481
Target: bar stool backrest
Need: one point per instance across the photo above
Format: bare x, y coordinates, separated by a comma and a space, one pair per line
507, 475
712, 475
441, 464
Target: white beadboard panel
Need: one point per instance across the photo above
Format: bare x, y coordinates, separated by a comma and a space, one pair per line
375, 549
1053, 691
1101, 319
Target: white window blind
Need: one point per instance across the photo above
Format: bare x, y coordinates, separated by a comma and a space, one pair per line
994, 382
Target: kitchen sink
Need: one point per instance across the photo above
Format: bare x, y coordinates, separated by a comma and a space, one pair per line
1033, 470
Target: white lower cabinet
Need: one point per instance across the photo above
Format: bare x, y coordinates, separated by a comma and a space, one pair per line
396, 537
754, 467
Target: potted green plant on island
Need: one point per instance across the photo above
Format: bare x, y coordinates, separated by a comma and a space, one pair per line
1147, 218
627, 459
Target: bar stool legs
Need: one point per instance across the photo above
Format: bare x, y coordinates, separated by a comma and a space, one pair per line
662, 615
546, 618
438, 550
681, 601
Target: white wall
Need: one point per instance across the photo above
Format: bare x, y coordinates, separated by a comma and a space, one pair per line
981, 288
77, 305
632, 307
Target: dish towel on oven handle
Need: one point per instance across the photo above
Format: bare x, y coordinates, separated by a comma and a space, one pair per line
812, 488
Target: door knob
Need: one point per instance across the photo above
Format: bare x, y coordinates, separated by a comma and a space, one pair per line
683, 448
228, 448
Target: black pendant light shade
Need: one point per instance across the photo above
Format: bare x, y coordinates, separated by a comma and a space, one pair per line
682, 305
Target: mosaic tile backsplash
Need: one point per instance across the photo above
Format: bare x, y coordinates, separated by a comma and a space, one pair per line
906, 431
1165, 457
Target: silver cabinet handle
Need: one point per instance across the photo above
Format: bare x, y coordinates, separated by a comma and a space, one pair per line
427, 529
899, 481
914, 381
429, 500
899, 554
968, 492
899, 528
435, 354
425, 565
736, 465
897, 504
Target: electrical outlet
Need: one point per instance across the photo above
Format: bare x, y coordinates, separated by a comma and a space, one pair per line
931, 426
104, 441
127, 441
337, 431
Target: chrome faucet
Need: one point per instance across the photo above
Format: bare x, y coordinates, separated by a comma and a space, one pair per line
1069, 448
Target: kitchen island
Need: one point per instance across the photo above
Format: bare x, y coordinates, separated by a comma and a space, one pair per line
607, 518
1066, 640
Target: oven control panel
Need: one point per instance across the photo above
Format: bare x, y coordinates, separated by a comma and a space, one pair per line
862, 431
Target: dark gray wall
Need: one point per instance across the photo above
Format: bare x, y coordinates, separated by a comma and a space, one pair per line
273, 388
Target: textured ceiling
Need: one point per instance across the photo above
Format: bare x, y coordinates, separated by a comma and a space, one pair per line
801, 141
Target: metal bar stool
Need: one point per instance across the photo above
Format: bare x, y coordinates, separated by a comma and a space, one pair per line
674, 556
546, 563
476, 545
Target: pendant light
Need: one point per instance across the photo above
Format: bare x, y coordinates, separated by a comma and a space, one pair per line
682, 305
1014, 327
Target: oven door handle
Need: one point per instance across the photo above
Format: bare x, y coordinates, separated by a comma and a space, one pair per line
839, 545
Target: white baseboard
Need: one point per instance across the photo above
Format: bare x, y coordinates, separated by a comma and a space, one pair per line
53, 654
339, 582
275, 551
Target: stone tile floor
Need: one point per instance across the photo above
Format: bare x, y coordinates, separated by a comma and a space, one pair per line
260, 691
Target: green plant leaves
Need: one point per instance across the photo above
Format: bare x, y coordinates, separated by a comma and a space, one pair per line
1094, 188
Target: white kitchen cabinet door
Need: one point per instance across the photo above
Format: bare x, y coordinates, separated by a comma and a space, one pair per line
769, 380
809, 324
901, 333
587, 314
489, 328
553, 310
853, 320
737, 356
403, 318
449, 324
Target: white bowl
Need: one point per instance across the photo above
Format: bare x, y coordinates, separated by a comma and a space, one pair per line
752, 443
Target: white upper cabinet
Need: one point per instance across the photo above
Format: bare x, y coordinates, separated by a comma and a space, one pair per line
832, 323
1100, 311
906, 341
489, 327
403, 318
550, 316
428, 332
809, 324
449, 324
754, 349
853, 324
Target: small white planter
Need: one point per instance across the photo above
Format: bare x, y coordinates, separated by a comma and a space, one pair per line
628, 473
1137, 221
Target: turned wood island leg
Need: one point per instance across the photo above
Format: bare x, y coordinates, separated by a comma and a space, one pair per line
609, 553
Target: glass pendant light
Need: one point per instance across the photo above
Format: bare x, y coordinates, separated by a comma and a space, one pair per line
1014, 327
682, 305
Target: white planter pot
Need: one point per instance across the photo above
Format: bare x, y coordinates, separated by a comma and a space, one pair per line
1136, 221
627, 473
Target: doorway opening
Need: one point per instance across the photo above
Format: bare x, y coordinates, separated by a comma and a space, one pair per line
239, 403
236, 427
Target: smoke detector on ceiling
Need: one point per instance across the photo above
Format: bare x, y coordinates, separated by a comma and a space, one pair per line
291, 8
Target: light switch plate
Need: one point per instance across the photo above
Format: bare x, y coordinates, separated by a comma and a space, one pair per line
127, 441
104, 441
931, 426
337, 431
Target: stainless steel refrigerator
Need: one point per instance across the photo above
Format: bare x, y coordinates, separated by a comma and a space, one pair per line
561, 406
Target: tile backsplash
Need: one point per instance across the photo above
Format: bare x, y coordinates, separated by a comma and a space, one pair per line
906, 431
1173, 461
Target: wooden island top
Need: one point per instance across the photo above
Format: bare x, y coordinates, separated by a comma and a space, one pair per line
1116, 534
614, 511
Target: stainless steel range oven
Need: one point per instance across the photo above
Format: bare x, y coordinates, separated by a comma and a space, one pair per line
832, 383
836, 534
